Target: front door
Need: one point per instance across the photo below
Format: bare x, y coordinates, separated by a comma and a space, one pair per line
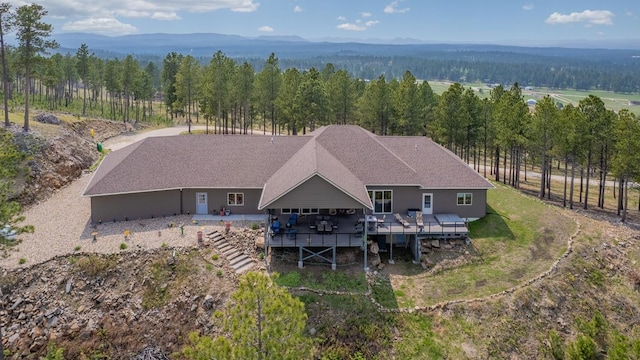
427, 204
201, 203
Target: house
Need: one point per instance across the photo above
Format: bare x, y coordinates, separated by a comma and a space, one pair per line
333, 170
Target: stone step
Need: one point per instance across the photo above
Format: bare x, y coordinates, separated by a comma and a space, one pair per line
225, 247
242, 267
233, 255
216, 237
219, 243
237, 259
228, 250
213, 233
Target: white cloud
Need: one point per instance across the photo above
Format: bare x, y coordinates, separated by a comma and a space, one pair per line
366, 14
393, 8
75, 10
527, 7
265, 29
596, 17
628, 13
107, 26
358, 25
297, 9
352, 27
341, 18
165, 16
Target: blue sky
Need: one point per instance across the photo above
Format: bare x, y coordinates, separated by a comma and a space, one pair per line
488, 21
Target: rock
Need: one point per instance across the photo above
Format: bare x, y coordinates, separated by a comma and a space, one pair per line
91, 326
259, 242
171, 261
16, 303
69, 286
13, 338
374, 248
47, 119
375, 260
381, 266
312, 331
80, 309
208, 302
53, 322
447, 246
52, 312
435, 243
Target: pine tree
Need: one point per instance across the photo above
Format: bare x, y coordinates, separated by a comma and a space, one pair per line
263, 322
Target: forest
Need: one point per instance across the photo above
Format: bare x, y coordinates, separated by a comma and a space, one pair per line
493, 133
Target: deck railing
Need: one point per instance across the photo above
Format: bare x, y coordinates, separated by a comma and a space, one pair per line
351, 235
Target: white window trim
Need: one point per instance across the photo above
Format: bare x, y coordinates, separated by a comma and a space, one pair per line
464, 199
301, 211
235, 196
372, 197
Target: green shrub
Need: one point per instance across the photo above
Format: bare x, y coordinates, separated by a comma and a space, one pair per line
77, 248
584, 348
22, 261
255, 226
214, 257
292, 279
123, 246
209, 267
219, 273
557, 345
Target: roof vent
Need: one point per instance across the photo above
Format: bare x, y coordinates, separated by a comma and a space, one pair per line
416, 147
272, 139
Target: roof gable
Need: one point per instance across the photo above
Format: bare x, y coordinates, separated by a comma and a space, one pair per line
313, 159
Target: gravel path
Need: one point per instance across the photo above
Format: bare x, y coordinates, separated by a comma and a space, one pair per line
121, 141
62, 223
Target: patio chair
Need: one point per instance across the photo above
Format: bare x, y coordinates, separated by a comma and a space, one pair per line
275, 227
291, 233
293, 220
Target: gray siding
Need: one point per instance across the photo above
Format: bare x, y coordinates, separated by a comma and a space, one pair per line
134, 206
316, 193
217, 198
444, 201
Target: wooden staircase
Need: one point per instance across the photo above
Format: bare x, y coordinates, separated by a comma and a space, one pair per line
239, 261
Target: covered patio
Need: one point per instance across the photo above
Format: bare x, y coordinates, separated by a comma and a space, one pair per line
320, 235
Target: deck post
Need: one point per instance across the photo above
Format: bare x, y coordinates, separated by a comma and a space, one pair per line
364, 241
300, 265
391, 250
333, 264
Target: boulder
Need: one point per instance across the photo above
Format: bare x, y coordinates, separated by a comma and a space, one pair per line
47, 119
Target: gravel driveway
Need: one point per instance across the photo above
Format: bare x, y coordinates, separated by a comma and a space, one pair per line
62, 223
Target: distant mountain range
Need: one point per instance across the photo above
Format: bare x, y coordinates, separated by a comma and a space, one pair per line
205, 44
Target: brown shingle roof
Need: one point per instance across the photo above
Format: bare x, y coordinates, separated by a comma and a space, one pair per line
313, 159
347, 156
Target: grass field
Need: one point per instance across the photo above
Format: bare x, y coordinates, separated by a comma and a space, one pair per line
518, 239
613, 101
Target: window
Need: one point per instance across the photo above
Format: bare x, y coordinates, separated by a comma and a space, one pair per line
235, 199
299, 211
382, 201
464, 198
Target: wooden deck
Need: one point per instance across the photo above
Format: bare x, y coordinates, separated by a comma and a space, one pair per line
346, 233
